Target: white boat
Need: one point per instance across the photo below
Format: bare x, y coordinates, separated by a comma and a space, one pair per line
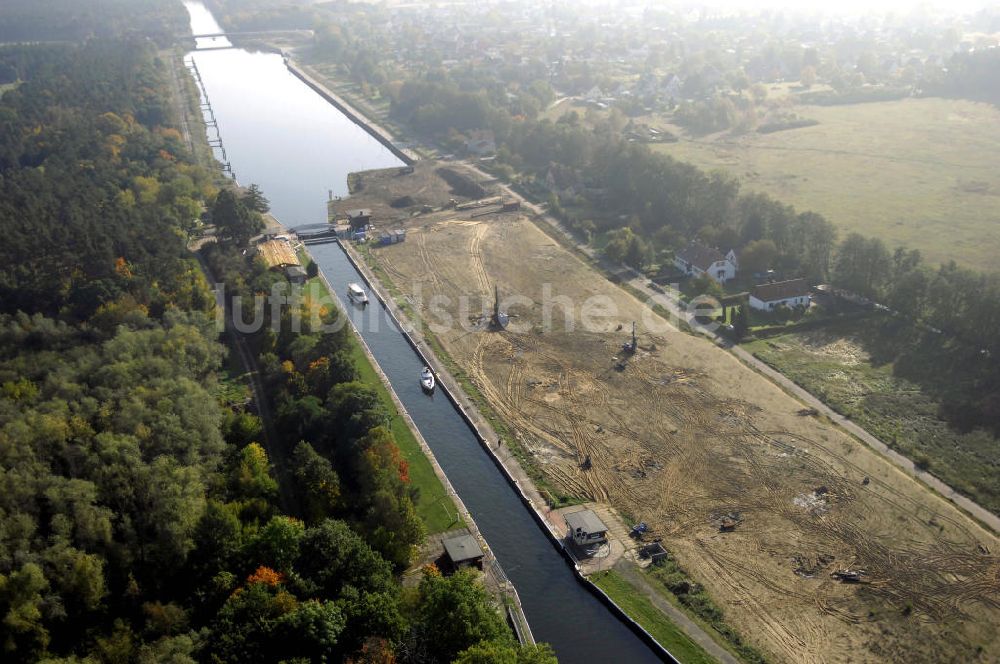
427, 379
357, 294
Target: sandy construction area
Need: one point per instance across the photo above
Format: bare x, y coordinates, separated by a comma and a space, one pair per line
683, 435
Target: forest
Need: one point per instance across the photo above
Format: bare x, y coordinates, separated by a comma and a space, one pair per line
72, 20
974, 75
142, 518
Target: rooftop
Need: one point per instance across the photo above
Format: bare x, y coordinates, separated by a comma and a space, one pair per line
462, 548
586, 520
780, 290
700, 256
277, 253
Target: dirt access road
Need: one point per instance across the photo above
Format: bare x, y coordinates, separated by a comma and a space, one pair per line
684, 435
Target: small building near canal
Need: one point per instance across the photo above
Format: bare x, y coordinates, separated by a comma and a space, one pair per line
463, 551
296, 274
277, 254
359, 219
586, 528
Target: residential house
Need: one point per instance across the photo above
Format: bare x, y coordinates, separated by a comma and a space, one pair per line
594, 95
647, 84
790, 293
696, 259
563, 180
481, 143
672, 87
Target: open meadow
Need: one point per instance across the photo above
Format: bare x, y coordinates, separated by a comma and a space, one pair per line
682, 435
924, 173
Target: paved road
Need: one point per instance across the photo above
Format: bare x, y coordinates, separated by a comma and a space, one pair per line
671, 304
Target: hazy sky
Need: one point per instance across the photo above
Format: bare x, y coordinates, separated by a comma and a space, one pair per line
851, 6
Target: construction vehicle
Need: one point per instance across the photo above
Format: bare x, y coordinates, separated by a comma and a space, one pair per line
728, 522
500, 319
850, 575
629, 347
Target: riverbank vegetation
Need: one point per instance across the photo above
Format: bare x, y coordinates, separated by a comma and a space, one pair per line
335, 427
671, 577
143, 520
433, 503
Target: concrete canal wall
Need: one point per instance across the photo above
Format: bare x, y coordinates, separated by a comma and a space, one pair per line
509, 466
515, 610
378, 133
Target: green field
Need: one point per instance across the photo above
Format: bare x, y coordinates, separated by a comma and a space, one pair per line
924, 173
836, 365
640, 609
434, 506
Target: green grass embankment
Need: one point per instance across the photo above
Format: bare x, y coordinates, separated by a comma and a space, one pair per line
434, 506
641, 610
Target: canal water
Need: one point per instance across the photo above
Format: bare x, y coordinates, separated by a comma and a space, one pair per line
284, 137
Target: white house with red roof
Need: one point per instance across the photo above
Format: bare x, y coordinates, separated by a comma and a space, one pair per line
697, 259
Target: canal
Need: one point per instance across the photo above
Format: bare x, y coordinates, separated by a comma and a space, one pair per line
284, 137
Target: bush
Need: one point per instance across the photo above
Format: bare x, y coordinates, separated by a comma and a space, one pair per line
771, 127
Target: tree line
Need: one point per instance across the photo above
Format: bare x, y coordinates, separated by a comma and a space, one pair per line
941, 322
344, 464
974, 75
142, 519
71, 20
